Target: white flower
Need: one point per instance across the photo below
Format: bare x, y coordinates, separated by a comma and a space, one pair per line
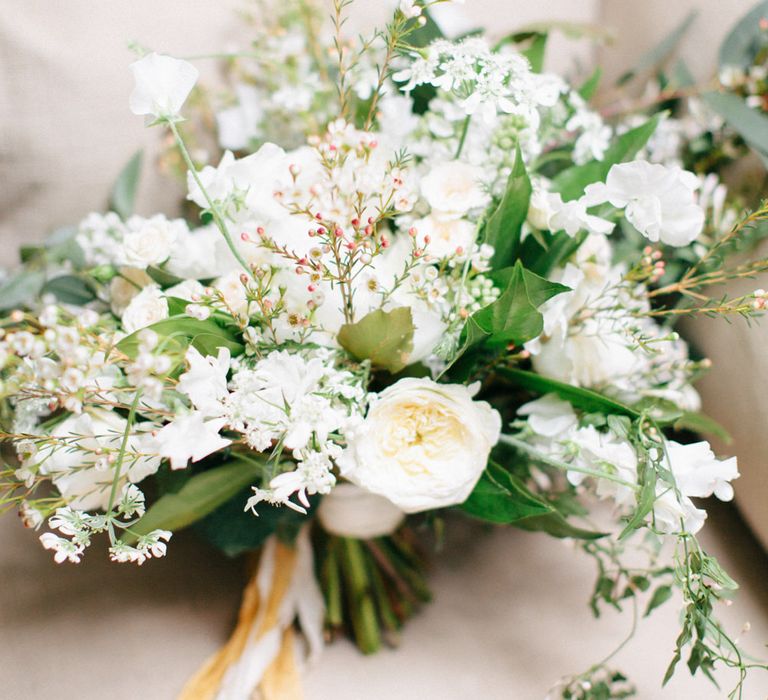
149, 241
549, 416
205, 382
147, 307
446, 234
65, 550
125, 286
349, 511
453, 188
162, 85
659, 201
190, 437
423, 445
572, 216
410, 9
698, 473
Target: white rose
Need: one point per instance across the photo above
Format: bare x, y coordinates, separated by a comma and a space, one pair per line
125, 286
423, 445
146, 308
452, 188
446, 234
349, 511
149, 241
162, 85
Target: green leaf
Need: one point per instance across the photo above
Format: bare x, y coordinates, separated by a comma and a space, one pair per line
207, 333
162, 277
70, 289
583, 399
746, 38
499, 497
661, 52
383, 337
556, 525
570, 183
21, 289
573, 30
645, 500
589, 88
660, 596
198, 497
703, 425
123, 194
504, 225
536, 51
750, 124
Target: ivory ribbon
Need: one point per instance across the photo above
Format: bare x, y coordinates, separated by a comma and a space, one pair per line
259, 662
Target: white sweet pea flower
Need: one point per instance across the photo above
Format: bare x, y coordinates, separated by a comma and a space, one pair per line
698, 473
205, 382
163, 84
572, 216
190, 437
349, 511
423, 445
147, 307
550, 416
658, 201
453, 188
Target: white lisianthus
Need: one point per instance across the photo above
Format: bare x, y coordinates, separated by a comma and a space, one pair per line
423, 445
453, 188
147, 307
149, 241
349, 511
658, 201
163, 84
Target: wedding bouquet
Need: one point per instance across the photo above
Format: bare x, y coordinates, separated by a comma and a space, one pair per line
408, 287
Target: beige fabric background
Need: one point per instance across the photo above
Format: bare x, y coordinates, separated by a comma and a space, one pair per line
510, 612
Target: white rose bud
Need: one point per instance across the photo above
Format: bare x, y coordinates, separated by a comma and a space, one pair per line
349, 511
423, 445
163, 84
147, 307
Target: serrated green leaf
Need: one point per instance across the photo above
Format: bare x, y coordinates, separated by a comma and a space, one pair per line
504, 225
383, 337
123, 195
570, 183
746, 38
583, 399
499, 497
198, 497
70, 289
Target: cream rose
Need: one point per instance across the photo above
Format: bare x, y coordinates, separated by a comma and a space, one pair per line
423, 445
150, 241
453, 188
146, 308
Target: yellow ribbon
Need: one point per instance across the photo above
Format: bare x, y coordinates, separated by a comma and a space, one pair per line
281, 679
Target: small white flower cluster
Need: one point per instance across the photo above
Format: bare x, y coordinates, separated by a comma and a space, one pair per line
609, 463
78, 526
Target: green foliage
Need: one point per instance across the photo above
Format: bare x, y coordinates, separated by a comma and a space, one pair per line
205, 335
199, 495
660, 596
70, 289
504, 225
383, 337
750, 124
502, 498
21, 289
583, 399
702, 425
653, 59
570, 183
589, 88
123, 195
745, 39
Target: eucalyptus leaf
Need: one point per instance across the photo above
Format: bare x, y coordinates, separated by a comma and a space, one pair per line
21, 289
745, 39
123, 194
70, 289
383, 337
199, 496
589, 88
750, 124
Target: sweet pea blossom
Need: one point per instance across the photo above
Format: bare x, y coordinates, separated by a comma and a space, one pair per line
658, 201
163, 84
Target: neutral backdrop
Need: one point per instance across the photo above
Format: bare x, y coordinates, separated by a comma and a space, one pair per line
510, 612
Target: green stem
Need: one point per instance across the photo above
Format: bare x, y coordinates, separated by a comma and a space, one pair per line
218, 217
361, 606
463, 137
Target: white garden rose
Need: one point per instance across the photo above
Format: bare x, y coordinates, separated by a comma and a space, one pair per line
150, 241
163, 84
454, 188
349, 511
125, 286
423, 445
146, 308
446, 234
